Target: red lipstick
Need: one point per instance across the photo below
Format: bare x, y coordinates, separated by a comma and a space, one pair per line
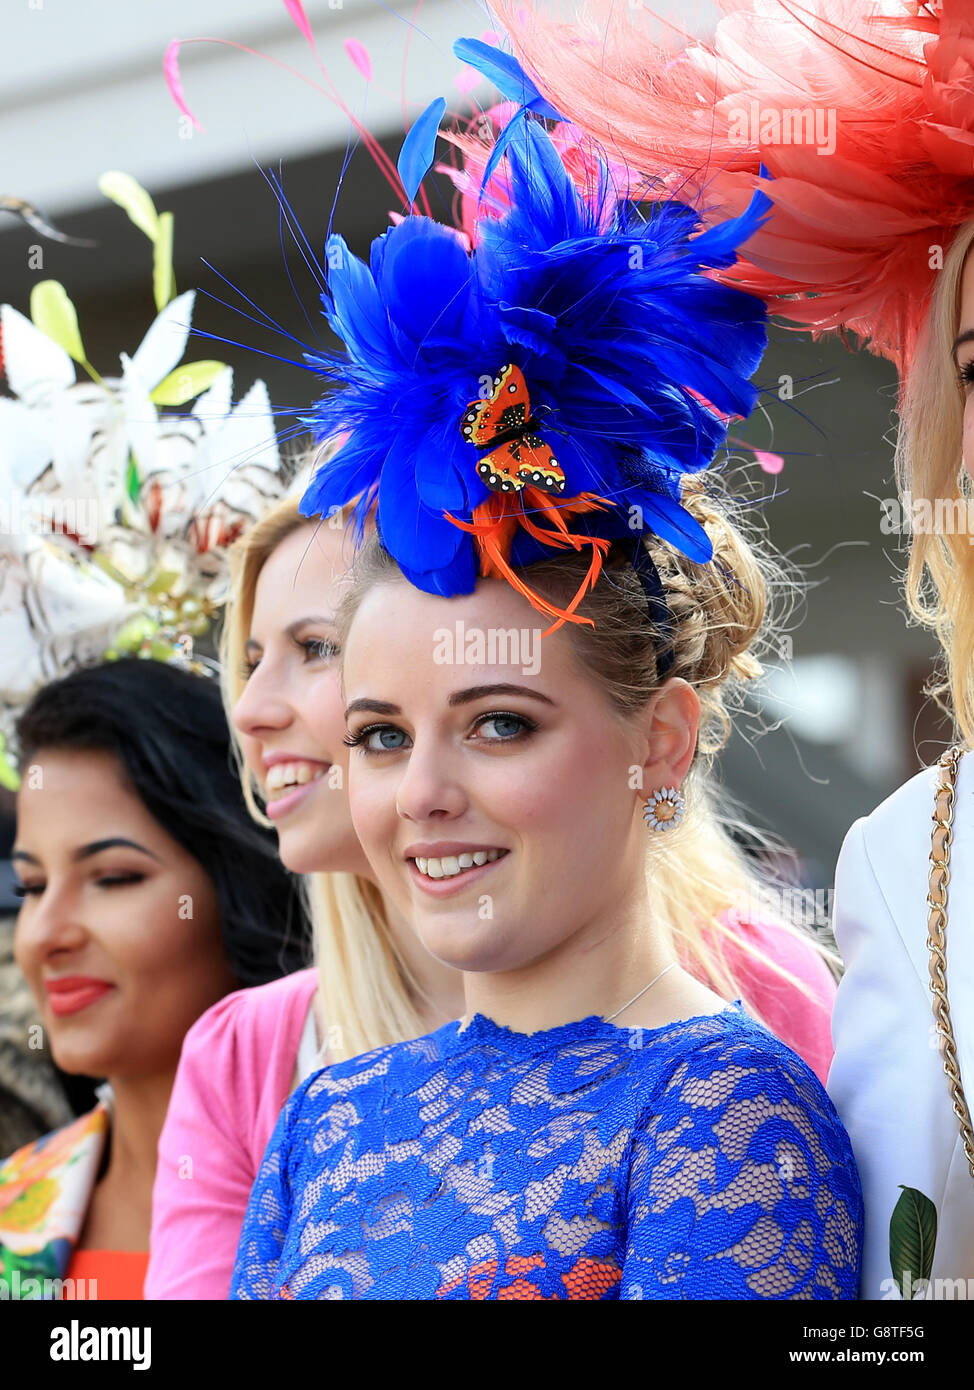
71, 993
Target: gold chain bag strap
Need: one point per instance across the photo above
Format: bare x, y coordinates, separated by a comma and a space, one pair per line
943, 816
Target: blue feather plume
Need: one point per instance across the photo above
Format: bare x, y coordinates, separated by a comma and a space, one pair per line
632, 354
507, 75
418, 148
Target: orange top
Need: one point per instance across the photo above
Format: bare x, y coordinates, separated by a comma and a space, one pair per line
115, 1274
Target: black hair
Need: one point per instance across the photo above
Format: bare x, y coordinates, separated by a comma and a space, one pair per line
167, 729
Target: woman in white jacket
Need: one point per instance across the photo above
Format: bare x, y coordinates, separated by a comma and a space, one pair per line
889, 1079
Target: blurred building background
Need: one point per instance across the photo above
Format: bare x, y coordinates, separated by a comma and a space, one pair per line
83, 92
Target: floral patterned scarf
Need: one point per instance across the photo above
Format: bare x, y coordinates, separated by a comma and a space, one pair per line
45, 1189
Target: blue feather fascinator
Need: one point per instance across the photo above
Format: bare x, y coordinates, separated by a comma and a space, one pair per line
547, 390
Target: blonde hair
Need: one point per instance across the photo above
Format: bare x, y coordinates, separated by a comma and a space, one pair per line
366, 989
929, 464
697, 874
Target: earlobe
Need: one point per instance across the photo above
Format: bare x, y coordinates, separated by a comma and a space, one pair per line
673, 720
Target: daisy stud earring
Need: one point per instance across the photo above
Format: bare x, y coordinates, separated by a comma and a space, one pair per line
664, 809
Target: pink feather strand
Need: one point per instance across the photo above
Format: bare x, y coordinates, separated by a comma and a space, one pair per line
296, 10
771, 463
170, 68
359, 55
385, 164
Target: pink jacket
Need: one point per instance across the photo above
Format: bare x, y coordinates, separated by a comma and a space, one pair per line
804, 1023
235, 1074
236, 1071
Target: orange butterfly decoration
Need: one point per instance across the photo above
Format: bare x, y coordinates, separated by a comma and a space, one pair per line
520, 468
519, 456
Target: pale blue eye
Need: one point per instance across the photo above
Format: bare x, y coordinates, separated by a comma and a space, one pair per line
504, 726
386, 739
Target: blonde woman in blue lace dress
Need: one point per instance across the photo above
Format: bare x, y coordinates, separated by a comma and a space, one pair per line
599, 1125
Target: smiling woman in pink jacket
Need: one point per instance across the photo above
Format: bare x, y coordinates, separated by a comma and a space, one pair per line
372, 983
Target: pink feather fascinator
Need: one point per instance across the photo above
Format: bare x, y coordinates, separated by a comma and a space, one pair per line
861, 112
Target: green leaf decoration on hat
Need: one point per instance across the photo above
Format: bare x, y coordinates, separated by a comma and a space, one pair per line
186, 382
52, 311
133, 199
9, 776
163, 275
157, 226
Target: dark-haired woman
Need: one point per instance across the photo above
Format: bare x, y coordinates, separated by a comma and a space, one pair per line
148, 895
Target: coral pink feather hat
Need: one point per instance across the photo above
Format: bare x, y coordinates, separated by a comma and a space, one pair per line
860, 111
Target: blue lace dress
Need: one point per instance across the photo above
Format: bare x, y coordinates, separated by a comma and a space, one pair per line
702, 1160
